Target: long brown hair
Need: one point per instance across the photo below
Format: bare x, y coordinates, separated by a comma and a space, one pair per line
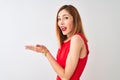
77, 23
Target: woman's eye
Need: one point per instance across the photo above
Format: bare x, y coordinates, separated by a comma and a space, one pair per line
66, 17
59, 19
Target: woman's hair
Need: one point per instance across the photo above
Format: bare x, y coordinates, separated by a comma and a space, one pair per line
77, 23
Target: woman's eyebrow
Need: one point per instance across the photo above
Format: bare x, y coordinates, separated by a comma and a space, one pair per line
63, 15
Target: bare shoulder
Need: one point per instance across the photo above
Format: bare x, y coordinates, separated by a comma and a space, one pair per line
76, 39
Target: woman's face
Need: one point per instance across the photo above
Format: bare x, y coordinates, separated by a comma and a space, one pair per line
65, 22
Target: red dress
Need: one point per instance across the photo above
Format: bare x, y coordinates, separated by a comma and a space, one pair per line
62, 56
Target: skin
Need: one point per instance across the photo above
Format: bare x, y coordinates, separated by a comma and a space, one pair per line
65, 20
76, 51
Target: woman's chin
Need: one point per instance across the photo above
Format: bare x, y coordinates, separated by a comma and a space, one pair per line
64, 34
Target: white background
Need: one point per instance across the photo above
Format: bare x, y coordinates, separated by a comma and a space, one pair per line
25, 22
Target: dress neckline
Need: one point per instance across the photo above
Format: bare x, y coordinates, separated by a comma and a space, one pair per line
67, 41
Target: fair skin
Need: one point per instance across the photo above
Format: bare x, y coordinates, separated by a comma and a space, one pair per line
65, 22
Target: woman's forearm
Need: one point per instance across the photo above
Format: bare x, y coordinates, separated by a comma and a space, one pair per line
58, 69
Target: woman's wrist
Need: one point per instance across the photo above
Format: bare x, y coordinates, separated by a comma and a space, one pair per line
46, 52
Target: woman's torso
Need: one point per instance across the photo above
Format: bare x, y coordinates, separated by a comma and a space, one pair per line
62, 56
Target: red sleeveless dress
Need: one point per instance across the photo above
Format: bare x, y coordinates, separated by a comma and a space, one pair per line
62, 56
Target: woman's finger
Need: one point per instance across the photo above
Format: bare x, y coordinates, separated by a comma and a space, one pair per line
31, 47
38, 45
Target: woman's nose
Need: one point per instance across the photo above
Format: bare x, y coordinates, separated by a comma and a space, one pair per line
62, 22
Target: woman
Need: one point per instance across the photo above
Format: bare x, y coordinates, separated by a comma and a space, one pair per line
73, 49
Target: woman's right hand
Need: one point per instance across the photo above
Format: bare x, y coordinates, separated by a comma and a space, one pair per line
37, 48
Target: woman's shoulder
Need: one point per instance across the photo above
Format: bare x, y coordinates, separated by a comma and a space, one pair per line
77, 38
81, 36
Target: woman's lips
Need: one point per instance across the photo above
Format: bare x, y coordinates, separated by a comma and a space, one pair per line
64, 28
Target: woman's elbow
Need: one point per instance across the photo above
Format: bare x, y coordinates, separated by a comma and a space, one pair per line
65, 78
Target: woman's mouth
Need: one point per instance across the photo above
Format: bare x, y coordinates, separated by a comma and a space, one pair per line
64, 28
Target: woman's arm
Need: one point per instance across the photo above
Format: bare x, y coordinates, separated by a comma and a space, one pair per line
72, 59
